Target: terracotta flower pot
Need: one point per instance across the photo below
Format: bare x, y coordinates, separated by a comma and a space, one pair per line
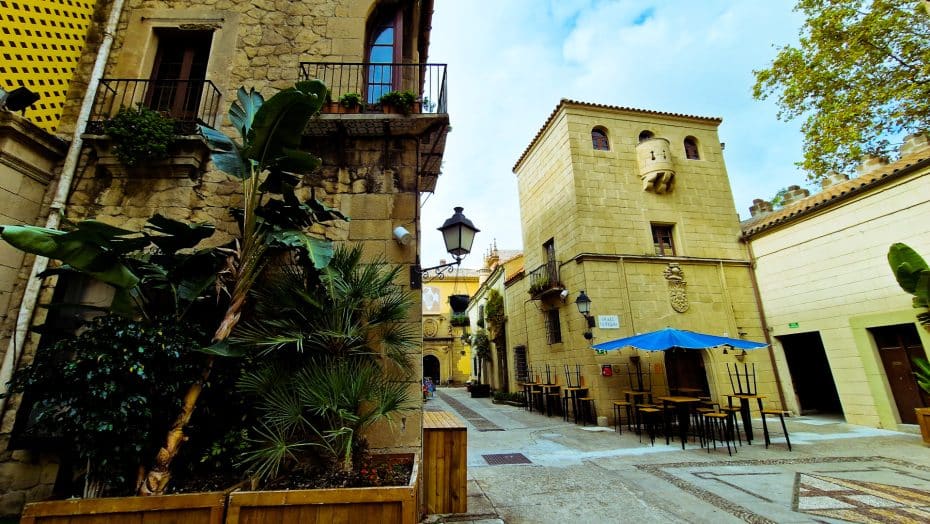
923, 419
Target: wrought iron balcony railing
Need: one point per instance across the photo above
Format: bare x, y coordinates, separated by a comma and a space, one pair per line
371, 81
188, 102
545, 278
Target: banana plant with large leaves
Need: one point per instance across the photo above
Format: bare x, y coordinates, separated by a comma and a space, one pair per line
268, 163
913, 275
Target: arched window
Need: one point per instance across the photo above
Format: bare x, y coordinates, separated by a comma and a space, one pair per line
691, 149
599, 139
645, 135
385, 47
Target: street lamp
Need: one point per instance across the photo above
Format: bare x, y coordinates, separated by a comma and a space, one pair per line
584, 307
458, 233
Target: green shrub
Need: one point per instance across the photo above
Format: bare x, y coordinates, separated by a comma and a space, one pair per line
139, 135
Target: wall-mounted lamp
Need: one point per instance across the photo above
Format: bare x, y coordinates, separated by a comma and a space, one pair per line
402, 236
741, 356
459, 234
584, 307
19, 99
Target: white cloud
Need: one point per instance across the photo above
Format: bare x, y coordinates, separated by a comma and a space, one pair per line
511, 61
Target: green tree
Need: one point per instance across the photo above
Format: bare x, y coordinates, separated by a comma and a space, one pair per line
860, 77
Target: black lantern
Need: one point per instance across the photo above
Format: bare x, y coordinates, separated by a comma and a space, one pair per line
584, 307
584, 304
458, 233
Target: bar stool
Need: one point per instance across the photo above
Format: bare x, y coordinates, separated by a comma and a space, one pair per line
733, 413
765, 427
588, 413
651, 419
619, 407
699, 416
716, 423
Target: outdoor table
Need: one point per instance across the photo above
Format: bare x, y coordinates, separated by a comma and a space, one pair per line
572, 394
547, 390
528, 393
683, 408
633, 395
689, 391
744, 410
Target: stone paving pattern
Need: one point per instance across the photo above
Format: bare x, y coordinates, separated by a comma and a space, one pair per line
836, 473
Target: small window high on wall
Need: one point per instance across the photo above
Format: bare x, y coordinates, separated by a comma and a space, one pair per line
646, 135
691, 149
662, 240
599, 139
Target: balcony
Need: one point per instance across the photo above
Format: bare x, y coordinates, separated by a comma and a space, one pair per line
544, 280
428, 120
187, 102
371, 81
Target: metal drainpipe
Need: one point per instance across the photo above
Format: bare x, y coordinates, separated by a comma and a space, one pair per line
34, 284
765, 325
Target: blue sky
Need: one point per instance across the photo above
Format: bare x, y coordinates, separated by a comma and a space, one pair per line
511, 61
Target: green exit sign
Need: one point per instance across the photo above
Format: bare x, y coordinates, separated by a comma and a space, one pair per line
792, 325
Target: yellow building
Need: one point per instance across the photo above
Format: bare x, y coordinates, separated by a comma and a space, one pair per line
187, 60
634, 208
41, 42
844, 331
446, 355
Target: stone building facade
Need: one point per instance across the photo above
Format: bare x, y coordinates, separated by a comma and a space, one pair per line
507, 365
375, 165
634, 208
844, 332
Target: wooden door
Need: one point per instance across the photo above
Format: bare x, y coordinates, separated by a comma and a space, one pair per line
179, 72
898, 346
685, 369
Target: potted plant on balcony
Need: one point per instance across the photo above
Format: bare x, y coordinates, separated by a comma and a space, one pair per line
539, 285
913, 275
351, 102
348, 103
139, 135
402, 102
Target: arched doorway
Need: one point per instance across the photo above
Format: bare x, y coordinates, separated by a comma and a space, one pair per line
431, 368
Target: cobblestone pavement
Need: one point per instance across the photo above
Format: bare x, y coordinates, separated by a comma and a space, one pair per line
528, 468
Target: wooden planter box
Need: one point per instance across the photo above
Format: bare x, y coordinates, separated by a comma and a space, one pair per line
445, 463
379, 504
923, 419
193, 508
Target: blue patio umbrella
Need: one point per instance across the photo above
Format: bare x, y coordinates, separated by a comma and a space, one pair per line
669, 338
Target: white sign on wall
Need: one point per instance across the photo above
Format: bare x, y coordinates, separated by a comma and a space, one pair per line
608, 321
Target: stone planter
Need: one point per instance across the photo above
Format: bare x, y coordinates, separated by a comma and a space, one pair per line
336, 108
923, 419
375, 504
205, 508
480, 390
188, 156
390, 109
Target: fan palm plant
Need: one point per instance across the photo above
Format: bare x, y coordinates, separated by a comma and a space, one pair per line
331, 357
